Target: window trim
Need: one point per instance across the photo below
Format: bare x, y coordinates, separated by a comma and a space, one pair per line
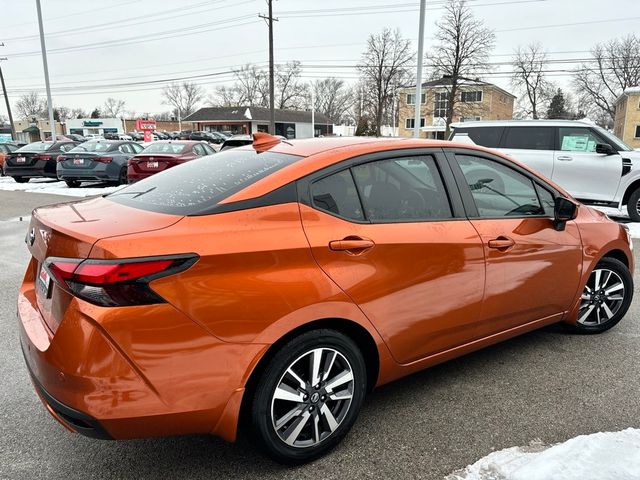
447, 177
466, 195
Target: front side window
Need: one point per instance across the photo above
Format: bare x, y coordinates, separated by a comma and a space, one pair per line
498, 190
440, 105
402, 190
529, 138
576, 139
336, 194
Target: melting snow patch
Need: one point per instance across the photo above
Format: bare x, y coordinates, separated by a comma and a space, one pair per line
600, 456
54, 187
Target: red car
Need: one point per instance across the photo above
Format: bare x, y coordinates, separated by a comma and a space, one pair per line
165, 154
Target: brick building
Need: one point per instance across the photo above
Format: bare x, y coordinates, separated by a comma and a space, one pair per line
627, 122
477, 101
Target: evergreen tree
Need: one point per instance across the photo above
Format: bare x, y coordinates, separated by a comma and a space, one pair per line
557, 108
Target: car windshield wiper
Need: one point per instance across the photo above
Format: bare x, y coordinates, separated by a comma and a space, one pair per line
135, 194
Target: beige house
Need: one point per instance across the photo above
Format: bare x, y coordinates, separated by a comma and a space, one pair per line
477, 101
35, 129
627, 122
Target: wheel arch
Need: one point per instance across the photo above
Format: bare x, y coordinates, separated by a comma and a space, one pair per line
360, 335
632, 187
618, 255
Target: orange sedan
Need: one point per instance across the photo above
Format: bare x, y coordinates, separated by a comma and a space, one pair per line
278, 283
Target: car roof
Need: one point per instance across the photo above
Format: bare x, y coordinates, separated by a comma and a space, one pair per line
522, 123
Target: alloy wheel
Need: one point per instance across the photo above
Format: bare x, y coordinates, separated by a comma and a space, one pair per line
602, 297
312, 398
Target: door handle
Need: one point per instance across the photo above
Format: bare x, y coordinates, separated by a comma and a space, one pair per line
501, 243
353, 245
565, 158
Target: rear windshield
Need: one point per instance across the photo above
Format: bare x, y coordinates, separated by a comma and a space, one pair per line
92, 147
165, 148
235, 143
36, 147
193, 188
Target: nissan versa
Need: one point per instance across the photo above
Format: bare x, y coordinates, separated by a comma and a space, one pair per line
273, 285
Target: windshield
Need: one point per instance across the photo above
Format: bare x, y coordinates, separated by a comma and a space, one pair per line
91, 147
165, 148
613, 140
35, 147
195, 187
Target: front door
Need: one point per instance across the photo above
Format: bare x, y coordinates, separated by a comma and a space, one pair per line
583, 172
385, 232
533, 269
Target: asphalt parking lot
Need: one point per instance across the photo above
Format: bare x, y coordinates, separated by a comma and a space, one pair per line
547, 385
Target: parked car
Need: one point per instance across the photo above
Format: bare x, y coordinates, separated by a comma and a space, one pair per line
236, 141
5, 149
162, 155
75, 137
37, 159
593, 165
281, 281
206, 137
124, 136
137, 136
97, 160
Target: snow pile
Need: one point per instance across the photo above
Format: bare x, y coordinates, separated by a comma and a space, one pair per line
600, 456
54, 187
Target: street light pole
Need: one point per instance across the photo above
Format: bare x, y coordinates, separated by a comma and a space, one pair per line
6, 99
418, 102
52, 122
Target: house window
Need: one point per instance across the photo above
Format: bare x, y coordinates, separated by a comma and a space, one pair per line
411, 122
440, 105
637, 131
411, 98
475, 96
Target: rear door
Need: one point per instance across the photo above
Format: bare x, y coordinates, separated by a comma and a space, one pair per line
533, 270
391, 234
583, 172
531, 145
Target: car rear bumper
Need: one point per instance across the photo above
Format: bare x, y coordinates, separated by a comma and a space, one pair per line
107, 383
28, 172
100, 172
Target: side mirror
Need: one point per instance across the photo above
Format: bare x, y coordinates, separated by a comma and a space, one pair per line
564, 211
605, 149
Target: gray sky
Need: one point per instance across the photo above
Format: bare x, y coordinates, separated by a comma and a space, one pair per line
105, 44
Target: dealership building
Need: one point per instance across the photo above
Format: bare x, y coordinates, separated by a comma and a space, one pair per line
247, 120
93, 126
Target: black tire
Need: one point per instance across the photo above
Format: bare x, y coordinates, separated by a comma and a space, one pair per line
123, 178
265, 405
21, 179
598, 298
633, 206
72, 183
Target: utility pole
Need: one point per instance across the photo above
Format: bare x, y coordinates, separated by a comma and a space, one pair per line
418, 101
52, 122
313, 113
6, 99
272, 112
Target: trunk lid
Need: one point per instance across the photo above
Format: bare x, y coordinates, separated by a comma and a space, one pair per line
153, 162
24, 159
70, 230
80, 160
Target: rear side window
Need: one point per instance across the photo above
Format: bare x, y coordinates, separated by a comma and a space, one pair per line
336, 194
529, 138
402, 190
195, 187
484, 136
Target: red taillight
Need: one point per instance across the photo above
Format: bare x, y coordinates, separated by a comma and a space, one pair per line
42, 157
59, 158
103, 159
111, 283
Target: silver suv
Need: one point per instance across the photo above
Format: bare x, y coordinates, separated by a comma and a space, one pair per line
595, 166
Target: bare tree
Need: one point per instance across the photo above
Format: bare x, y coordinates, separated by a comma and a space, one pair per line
291, 92
332, 98
463, 49
113, 108
529, 78
78, 113
31, 105
384, 65
615, 66
247, 89
184, 97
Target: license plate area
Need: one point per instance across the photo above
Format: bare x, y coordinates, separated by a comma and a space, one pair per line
21, 160
78, 161
44, 282
152, 164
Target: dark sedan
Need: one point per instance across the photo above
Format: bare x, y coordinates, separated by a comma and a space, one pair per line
37, 159
97, 160
162, 155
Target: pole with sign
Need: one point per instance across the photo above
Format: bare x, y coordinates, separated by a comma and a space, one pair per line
147, 127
